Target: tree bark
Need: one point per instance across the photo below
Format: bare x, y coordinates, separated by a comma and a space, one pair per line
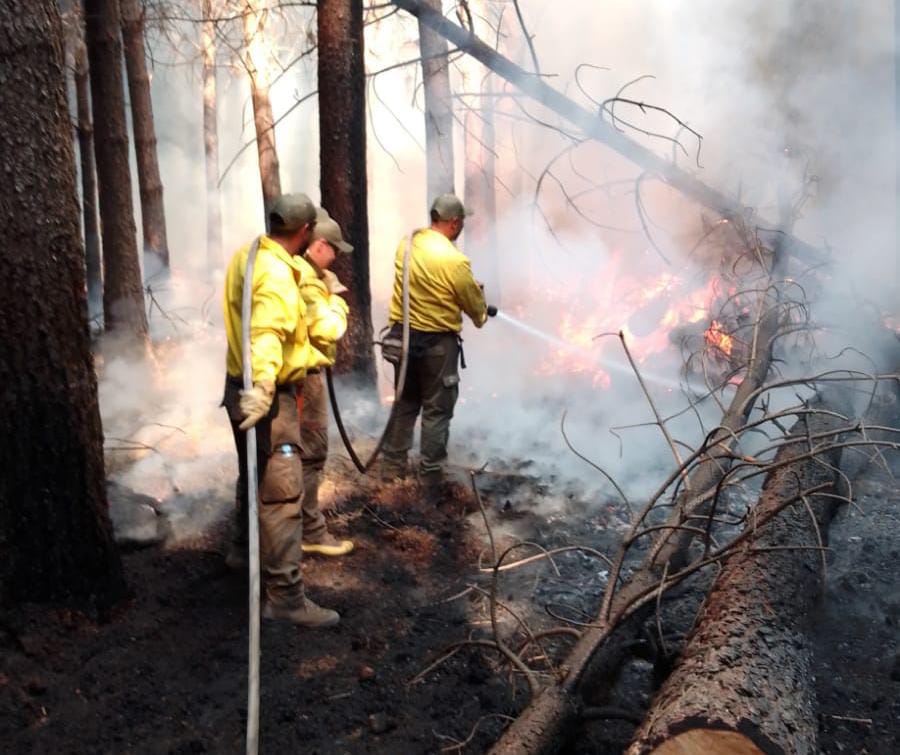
85, 128
746, 676
438, 109
214, 259
596, 128
342, 135
55, 534
153, 213
123, 296
258, 70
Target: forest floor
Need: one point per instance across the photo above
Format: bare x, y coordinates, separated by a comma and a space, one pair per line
166, 672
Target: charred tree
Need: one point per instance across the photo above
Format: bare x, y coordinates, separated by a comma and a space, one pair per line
123, 296
153, 214
214, 258
438, 109
55, 534
91, 227
257, 65
342, 135
745, 681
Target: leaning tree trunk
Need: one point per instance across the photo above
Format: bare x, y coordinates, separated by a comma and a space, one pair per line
153, 214
745, 682
342, 140
123, 296
211, 141
438, 109
85, 130
55, 534
257, 65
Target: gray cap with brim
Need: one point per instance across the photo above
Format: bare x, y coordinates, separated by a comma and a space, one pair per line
328, 229
290, 212
449, 206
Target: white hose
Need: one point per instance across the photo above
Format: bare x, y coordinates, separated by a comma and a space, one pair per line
252, 513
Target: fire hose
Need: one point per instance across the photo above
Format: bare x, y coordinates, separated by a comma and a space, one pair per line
362, 466
252, 513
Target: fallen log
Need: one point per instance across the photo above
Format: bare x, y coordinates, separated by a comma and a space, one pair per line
595, 127
744, 683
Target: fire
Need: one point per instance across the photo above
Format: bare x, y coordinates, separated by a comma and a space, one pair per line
718, 338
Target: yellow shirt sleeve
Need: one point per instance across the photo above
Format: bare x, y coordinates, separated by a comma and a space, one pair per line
276, 307
468, 293
326, 316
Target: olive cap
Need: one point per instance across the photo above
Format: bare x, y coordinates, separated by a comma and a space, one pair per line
291, 211
326, 228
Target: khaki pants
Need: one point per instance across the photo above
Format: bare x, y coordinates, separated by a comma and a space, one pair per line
432, 387
280, 476
313, 452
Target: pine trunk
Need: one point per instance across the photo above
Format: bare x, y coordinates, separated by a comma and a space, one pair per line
257, 65
55, 534
214, 259
438, 109
123, 296
153, 214
745, 682
342, 134
93, 262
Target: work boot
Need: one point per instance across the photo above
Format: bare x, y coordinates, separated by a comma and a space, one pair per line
327, 545
307, 615
237, 558
434, 489
392, 470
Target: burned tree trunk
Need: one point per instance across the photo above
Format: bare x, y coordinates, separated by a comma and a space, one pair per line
438, 109
91, 227
123, 296
153, 214
211, 141
55, 534
745, 681
258, 70
342, 139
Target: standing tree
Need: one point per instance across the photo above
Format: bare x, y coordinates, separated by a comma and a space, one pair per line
438, 109
55, 534
123, 297
342, 146
153, 214
211, 140
85, 131
257, 63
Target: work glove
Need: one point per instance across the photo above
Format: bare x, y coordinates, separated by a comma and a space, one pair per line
256, 402
333, 284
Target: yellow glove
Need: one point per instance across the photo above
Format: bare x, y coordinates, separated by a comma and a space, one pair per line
333, 284
256, 402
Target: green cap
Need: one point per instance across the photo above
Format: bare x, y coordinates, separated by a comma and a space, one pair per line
326, 228
449, 206
291, 211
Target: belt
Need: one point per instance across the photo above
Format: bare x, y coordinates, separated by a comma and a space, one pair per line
280, 388
314, 371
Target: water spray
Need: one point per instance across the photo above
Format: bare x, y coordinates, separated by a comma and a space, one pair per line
608, 364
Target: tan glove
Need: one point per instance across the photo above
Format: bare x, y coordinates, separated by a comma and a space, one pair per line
334, 285
256, 402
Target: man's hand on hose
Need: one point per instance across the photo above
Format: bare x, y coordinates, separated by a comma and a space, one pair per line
256, 402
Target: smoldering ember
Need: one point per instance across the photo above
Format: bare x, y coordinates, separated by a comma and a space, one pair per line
486, 376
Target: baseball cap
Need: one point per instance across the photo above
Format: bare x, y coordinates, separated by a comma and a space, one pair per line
292, 211
326, 228
449, 206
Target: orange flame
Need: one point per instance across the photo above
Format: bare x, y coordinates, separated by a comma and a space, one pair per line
718, 338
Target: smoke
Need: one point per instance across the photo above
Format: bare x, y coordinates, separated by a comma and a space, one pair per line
791, 102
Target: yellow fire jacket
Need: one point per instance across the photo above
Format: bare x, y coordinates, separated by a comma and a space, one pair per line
278, 336
326, 316
441, 285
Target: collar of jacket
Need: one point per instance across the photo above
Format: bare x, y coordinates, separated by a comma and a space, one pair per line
269, 244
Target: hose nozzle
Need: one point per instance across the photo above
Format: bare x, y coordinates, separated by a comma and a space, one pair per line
492, 310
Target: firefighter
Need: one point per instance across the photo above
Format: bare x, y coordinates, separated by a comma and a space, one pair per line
441, 288
326, 318
280, 352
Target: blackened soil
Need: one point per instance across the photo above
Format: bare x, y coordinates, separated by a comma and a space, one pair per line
167, 672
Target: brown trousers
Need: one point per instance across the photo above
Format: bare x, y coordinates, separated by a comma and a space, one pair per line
313, 452
280, 475
431, 387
